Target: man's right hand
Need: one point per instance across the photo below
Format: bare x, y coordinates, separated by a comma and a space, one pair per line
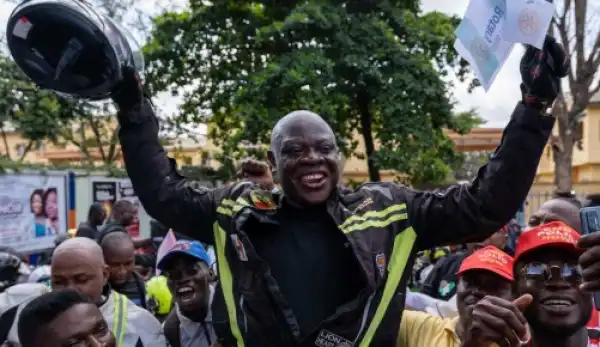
129, 92
257, 172
498, 320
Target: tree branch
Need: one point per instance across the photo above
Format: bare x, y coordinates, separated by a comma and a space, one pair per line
26, 150
5, 140
96, 130
114, 140
564, 37
580, 20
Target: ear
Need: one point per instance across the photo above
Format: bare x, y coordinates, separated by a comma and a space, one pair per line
272, 161
211, 276
105, 275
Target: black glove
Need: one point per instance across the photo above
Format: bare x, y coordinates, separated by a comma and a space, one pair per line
129, 93
541, 72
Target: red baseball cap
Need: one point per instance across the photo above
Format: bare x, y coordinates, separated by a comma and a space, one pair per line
556, 234
490, 259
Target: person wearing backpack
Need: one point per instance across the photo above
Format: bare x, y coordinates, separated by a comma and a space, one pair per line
189, 278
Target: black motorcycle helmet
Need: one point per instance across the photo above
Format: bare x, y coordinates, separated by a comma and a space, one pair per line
12, 269
68, 47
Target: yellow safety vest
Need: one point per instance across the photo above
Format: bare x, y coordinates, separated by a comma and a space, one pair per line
120, 317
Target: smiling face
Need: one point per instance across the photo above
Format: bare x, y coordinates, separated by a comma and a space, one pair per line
188, 281
558, 304
305, 155
474, 285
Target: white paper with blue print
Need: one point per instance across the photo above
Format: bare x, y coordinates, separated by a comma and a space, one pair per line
527, 21
479, 39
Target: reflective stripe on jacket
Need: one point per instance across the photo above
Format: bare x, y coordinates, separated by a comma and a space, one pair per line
385, 224
131, 323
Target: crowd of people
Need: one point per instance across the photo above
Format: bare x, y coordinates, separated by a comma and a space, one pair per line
303, 261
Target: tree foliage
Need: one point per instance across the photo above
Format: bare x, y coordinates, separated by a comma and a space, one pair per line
577, 27
372, 69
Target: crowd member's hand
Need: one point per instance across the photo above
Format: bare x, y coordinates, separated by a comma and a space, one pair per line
498, 320
258, 172
590, 261
541, 71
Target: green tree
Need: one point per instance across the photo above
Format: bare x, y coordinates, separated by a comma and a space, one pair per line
369, 68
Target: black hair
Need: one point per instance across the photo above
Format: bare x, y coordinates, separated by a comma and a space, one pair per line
40, 193
96, 211
45, 199
592, 200
113, 239
42, 310
119, 208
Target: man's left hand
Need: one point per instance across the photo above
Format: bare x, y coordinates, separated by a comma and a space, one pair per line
590, 261
541, 71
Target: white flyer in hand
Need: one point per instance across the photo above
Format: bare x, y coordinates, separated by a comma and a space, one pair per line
527, 21
479, 39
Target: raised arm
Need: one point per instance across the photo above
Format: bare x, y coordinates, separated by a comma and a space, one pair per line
173, 200
471, 212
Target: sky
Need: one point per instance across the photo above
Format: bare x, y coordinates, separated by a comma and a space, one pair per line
495, 105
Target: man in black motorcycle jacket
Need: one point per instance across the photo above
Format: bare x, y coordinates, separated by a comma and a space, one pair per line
311, 264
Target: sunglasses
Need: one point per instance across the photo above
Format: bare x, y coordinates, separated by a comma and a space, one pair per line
542, 272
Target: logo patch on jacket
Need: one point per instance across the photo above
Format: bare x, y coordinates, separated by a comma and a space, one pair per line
446, 287
328, 339
239, 247
381, 263
263, 201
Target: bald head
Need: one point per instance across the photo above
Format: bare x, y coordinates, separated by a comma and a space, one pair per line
79, 249
78, 264
301, 118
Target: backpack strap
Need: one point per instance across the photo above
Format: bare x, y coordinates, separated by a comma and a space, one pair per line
172, 329
6, 322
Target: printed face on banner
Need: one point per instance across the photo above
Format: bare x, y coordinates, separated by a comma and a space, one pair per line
32, 211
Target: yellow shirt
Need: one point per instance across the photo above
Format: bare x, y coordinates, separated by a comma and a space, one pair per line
420, 329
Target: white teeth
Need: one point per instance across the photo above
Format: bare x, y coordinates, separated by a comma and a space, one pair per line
557, 302
313, 177
184, 290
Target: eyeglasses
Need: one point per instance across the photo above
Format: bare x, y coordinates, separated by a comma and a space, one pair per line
542, 272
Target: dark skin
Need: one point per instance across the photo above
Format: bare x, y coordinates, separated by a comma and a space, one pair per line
97, 214
120, 259
556, 326
78, 264
551, 324
474, 289
188, 280
304, 156
81, 325
556, 210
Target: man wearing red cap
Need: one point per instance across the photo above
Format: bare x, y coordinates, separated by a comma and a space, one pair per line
487, 272
548, 279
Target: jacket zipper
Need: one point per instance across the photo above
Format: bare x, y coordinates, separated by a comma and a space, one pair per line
365, 315
242, 299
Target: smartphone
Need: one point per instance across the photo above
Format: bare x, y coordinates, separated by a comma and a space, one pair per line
590, 223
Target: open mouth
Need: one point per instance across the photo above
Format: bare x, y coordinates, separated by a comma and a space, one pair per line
314, 180
558, 305
186, 294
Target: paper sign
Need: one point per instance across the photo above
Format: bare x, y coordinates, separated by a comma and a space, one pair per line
479, 39
22, 27
527, 21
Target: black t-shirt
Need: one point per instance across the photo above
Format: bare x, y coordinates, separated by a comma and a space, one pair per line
442, 280
86, 230
312, 262
134, 289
